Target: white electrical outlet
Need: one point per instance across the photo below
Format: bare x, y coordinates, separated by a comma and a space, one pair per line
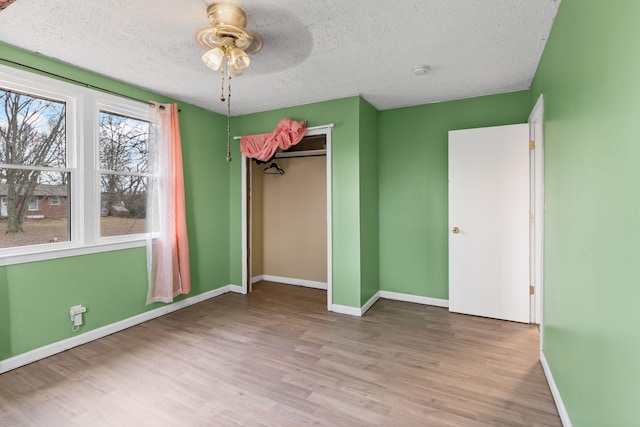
76, 314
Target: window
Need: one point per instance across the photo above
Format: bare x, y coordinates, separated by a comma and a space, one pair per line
124, 148
33, 203
98, 184
33, 159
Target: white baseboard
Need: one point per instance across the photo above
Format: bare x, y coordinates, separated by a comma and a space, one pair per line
290, 281
237, 289
345, 309
367, 305
256, 279
60, 346
555, 392
354, 311
415, 299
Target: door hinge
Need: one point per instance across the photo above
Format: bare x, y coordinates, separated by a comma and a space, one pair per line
531, 218
532, 290
532, 145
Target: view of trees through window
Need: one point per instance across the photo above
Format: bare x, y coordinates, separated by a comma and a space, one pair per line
33, 169
124, 152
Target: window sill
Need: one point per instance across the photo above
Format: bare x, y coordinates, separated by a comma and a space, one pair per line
69, 251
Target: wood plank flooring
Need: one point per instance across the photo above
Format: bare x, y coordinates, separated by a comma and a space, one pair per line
276, 357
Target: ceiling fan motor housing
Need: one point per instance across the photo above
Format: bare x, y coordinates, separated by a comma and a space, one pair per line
228, 21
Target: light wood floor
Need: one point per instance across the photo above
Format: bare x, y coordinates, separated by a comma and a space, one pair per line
278, 358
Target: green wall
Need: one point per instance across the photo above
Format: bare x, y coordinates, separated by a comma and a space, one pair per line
590, 78
344, 113
413, 186
35, 297
369, 202
40, 294
389, 188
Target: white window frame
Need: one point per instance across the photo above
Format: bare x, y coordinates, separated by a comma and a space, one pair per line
82, 132
115, 105
54, 201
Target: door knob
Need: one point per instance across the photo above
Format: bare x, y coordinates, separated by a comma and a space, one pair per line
455, 230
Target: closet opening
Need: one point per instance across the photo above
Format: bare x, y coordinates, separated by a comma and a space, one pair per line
287, 216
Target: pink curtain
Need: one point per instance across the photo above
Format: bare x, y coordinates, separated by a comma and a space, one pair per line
262, 147
167, 241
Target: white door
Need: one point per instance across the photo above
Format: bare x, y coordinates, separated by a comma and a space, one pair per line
489, 222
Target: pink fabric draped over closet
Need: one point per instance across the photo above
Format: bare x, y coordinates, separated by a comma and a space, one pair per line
167, 241
263, 146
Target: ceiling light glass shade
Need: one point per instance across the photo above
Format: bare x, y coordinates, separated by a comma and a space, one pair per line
213, 58
239, 59
233, 71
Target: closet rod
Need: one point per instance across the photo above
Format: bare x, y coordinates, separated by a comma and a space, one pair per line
330, 126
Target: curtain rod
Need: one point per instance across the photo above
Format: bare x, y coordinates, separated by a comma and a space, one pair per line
74, 81
330, 126
159, 105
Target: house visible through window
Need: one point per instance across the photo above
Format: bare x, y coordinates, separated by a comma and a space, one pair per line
54, 200
33, 159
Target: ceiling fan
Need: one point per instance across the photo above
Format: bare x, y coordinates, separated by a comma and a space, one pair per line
228, 38
228, 43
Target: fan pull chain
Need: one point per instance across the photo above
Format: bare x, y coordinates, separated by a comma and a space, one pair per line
222, 83
229, 120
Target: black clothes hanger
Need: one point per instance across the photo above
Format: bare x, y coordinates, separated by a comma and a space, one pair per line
273, 169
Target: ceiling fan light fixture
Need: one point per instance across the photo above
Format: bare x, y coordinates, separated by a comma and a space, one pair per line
243, 41
213, 58
239, 59
228, 44
234, 72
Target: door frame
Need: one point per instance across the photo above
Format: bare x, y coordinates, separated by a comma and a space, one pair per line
538, 202
245, 220
537, 209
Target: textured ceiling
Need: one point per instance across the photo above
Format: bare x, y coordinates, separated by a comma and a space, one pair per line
313, 51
